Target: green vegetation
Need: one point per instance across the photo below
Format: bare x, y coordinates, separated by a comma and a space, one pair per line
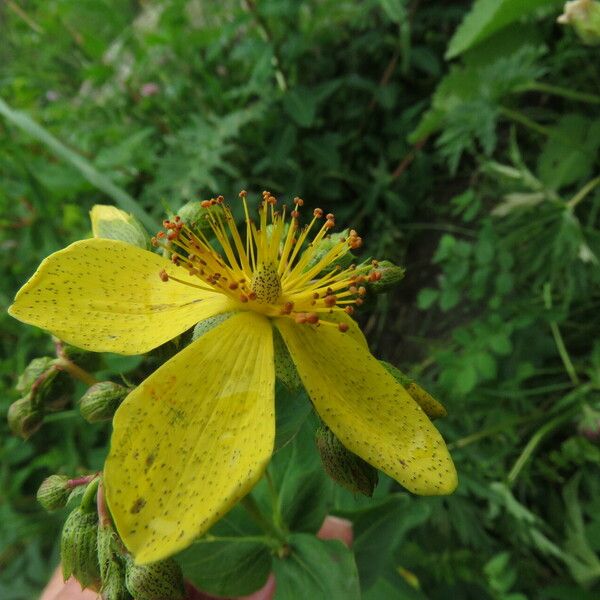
461, 139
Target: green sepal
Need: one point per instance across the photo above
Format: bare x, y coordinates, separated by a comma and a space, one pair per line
431, 407
112, 223
344, 467
206, 325
78, 548
285, 369
155, 581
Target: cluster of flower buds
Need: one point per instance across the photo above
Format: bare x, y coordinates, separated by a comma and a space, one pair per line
92, 552
44, 387
344, 467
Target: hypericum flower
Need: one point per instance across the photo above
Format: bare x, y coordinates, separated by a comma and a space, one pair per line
197, 434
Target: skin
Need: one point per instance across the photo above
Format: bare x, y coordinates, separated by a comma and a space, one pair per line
333, 528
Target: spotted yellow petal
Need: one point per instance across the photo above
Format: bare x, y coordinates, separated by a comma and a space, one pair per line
193, 438
367, 409
107, 296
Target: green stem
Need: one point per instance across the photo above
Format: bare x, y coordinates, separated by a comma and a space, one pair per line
88, 502
556, 90
558, 339
519, 117
500, 427
99, 180
64, 364
583, 192
252, 508
535, 440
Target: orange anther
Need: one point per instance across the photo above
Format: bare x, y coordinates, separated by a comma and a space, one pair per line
343, 327
243, 194
205, 203
173, 235
318, 213
164, 276
330, 217
243, 298
154, 242
353, 289
349, 310
298, 201
220, 199
329, 224
362, 291
330, 301
375, 276
358, 301
300, 318
312, 318
252, 296
295, 214
233, 285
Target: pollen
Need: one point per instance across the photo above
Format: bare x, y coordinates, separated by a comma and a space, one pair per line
273, 265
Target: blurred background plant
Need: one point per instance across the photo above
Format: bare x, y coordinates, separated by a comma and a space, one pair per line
460, 138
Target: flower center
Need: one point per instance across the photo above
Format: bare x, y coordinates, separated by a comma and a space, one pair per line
275, 270
266, 283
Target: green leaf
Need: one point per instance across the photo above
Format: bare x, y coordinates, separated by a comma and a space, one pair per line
301, 104
291, 410
570, 153
427, 297
486, 17
316, 569
394, 9
233, 567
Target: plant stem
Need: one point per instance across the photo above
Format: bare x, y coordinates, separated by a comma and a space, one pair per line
252, 508
583, 192
75, 371
555, 90
87, 502
529, 449
519, 117
558, 339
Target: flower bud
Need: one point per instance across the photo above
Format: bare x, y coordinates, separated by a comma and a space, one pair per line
53, 493
33, 371
23, 418
388, 275
431, 407
155, 581
344, 467
324, 246
47, 385
584, 17
78, 548
589, 424
111, 223
193, 215
101, 401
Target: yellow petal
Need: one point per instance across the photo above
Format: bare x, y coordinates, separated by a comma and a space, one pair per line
107, 296
368, 410
193, 439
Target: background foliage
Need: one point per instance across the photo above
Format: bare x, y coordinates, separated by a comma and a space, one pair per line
460, 138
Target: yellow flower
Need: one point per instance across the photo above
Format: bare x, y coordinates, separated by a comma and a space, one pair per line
197, 434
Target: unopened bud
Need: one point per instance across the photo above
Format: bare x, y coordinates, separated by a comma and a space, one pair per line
194, 215
431, 407
384, 277
78, 548
589, 424
46, 385
53, 493
344, 467
324, 246
101, 401
155, 581
584, 17
111, 223
23, 418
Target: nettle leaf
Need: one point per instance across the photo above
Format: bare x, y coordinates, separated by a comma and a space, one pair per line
316, 569
489, 16
570, 152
